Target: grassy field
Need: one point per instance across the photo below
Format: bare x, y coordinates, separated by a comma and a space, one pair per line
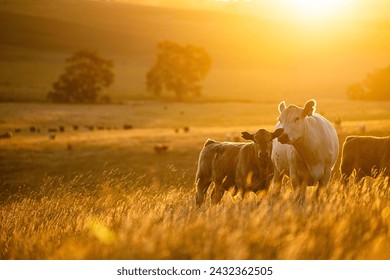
106, 194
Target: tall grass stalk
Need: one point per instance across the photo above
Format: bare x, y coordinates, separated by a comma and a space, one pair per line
133, 218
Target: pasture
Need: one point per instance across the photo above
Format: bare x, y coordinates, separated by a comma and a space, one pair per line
105, 193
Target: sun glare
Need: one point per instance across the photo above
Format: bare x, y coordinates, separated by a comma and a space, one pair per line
315, 9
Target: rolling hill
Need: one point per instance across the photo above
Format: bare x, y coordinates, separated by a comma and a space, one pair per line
253, 58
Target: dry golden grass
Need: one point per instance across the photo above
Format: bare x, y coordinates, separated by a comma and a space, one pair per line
124, 218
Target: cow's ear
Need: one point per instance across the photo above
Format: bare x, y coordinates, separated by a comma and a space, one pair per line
309, 109
277, 133
282, 106
247, 136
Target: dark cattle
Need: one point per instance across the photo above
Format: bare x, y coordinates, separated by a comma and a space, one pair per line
242, 166
127, 127
6, 135
161, 148
368, 155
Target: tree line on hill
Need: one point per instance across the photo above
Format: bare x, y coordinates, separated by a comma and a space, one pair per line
375, 86
178, 69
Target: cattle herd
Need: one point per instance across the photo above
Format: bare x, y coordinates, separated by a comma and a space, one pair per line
52, 131
304, 147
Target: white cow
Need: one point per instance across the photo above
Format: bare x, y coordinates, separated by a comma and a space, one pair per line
308, 148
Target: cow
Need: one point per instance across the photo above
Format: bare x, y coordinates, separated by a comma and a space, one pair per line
6, 135
307, 150
241, 166
368, 155
160, 148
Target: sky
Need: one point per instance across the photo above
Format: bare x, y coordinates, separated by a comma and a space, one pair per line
289, 9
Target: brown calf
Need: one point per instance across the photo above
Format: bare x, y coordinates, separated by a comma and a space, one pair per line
242, 166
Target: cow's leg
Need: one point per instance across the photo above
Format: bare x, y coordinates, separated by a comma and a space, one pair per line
299, 186
302, 191
360, 174
346, 171
217, 194
276, 183
202, 186
295, 182
323, 182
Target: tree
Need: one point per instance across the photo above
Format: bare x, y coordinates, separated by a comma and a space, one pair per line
179, 69
375, 86
85, 76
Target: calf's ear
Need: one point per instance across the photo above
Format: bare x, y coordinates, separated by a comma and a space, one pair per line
282, 106
309, 109
277, 133
247, 136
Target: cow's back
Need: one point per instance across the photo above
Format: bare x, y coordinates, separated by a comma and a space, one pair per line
218, 159
363, 153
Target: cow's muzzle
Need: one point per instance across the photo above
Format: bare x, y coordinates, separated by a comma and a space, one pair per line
264, 158
284, 139
263, 155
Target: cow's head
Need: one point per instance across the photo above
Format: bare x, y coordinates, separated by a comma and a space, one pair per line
262, 140
292, 120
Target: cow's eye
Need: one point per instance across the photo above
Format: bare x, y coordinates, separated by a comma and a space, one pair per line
296, 119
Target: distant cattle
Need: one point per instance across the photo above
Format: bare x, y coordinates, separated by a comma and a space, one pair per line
127, 127
242, 166
52, 130
232, 137
368, 155
160, 148
308, 148
6, 135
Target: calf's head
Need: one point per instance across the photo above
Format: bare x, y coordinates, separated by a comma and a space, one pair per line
292, 120
262, 140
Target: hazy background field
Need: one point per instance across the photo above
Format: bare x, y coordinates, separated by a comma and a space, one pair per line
110, 146
105, 193
255, 56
